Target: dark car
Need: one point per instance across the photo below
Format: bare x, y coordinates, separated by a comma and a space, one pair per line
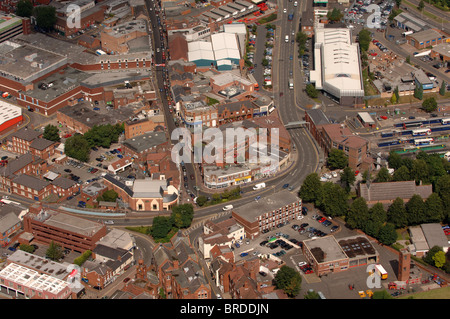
263, 243
68, 170
285, 186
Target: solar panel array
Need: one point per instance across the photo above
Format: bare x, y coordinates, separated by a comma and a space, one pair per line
357, 247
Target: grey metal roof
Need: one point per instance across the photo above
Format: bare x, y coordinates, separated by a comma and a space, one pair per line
31, 182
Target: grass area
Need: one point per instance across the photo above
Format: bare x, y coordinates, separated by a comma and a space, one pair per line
139, 229
369, 88
426, 13
441, 293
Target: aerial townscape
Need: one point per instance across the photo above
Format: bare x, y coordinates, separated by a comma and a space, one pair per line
224, 150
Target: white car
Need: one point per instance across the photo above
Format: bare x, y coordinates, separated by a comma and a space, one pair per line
227, 207
284, 10
295, 3
302, 263
334, 174
109, 222
299, 217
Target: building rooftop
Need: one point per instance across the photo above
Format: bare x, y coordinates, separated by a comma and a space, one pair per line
146, 141
254, 209
325, 249
426, 35
68, 222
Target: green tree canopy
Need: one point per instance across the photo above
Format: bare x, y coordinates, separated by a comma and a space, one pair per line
347, 178
182, 215
387, 234
395, 161
337, 159
335, 15
334, 200
358, 214
311, 91
54, 251
24, 8
415, 209
289, 280
429, 105
401, 174
420, 171
51, 133
434, 209
311, 189
45, 16
77, 147
396, 213
108, 196
364, 39
383, 175
161, 226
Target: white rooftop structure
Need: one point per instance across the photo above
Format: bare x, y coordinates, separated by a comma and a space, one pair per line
337, 63
33, 280
198, 50
225, 46
8, 112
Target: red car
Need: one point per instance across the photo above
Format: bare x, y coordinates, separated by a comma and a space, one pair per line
67, 135
321, 219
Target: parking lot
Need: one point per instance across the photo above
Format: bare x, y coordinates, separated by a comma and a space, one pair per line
285, 242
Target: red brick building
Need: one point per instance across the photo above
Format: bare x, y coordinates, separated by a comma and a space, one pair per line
71, 232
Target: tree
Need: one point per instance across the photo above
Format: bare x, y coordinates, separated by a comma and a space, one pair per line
443, 190
337, 159
394, 99
383, 175
366, 176
387, 234
77, 147
418, 92
377, 213
335, 15
381, 294
201, 200
51, 133
428, 258
45, 16
419, 171
364, 39
161, 227
27, 248
439, 259
395, 161
358, 214
333, 201
54, 251
348, 178
434, 209
429, 105
289, 280
421, 5
443, 88
24, 8
397, 3
182, 215
396, 213
311, 294
311, 189
401, 174
311, 91
415, 209
108, 196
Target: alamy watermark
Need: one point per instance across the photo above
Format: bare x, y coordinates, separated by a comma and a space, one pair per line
374, 279
232, 145
73, 13
374, 19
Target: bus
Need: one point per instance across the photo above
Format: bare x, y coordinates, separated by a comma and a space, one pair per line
445, 121
423, 141
421, 132
381, 271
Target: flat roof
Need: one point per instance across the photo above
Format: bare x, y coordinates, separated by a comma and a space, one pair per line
325, 249
8, 111
32, 279
68, 222
254, 209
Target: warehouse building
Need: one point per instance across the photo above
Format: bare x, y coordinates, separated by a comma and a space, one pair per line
337, 66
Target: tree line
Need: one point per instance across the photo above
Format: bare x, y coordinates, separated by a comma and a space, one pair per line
335, 200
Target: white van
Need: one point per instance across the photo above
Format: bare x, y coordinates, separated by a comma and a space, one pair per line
259, 186
286, 38
228, 207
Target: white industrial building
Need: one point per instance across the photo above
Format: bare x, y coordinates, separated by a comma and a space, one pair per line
337, 67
